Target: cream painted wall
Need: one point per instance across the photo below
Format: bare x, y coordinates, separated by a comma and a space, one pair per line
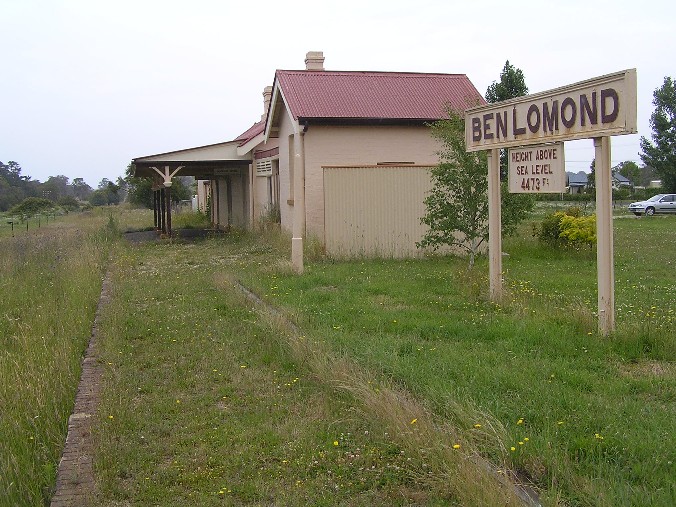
358, 145
375, 211
261, 196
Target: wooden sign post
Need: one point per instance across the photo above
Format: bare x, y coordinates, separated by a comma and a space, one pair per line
604, 237
494, 227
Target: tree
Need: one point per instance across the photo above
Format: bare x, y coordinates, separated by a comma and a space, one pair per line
512, 84
181, 189
112, 192
457, 206
98, 197
14, 187
139, 190
80, 189
55, 188
591, 177
106, 193
69, 203
648, 174
661, 153
123, 188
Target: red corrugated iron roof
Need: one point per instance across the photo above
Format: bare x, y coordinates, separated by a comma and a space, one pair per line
382, 95
249, 134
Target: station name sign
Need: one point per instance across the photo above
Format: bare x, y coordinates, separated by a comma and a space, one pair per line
597, 107
227, 171
537, 169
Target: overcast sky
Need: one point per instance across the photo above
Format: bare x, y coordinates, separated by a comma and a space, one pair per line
88, 85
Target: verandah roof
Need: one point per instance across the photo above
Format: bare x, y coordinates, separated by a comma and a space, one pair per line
203, 162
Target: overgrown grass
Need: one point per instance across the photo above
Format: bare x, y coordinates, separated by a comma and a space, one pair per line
21, 227
205, 402
190, 220
587, 419
50, 281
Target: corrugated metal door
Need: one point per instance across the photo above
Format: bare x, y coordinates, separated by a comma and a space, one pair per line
374, 211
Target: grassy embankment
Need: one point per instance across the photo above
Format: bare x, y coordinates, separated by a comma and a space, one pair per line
50, 279
228, 405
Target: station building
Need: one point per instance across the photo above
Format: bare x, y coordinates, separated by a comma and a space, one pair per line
339, 156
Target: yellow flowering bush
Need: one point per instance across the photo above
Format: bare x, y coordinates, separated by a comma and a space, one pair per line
569, 228
578, 230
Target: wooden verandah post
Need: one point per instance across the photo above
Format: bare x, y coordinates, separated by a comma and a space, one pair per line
164, 188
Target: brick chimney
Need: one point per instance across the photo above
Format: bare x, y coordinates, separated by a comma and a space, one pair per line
314, 60
267, 97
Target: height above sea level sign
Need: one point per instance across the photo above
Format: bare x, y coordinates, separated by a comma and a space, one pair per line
538, 169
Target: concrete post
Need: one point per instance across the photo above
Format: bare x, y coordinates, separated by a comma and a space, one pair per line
298, 203
604, 237
494, 227
252, 194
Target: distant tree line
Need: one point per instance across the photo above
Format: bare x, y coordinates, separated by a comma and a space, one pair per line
15, 187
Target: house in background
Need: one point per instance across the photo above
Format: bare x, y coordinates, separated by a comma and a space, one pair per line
340, 156
619, 181
577, 182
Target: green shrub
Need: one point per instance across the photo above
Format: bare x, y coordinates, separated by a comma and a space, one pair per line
549, 229
32, 206
69, 203
566, 228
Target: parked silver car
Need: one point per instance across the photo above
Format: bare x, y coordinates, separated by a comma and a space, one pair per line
660, 203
